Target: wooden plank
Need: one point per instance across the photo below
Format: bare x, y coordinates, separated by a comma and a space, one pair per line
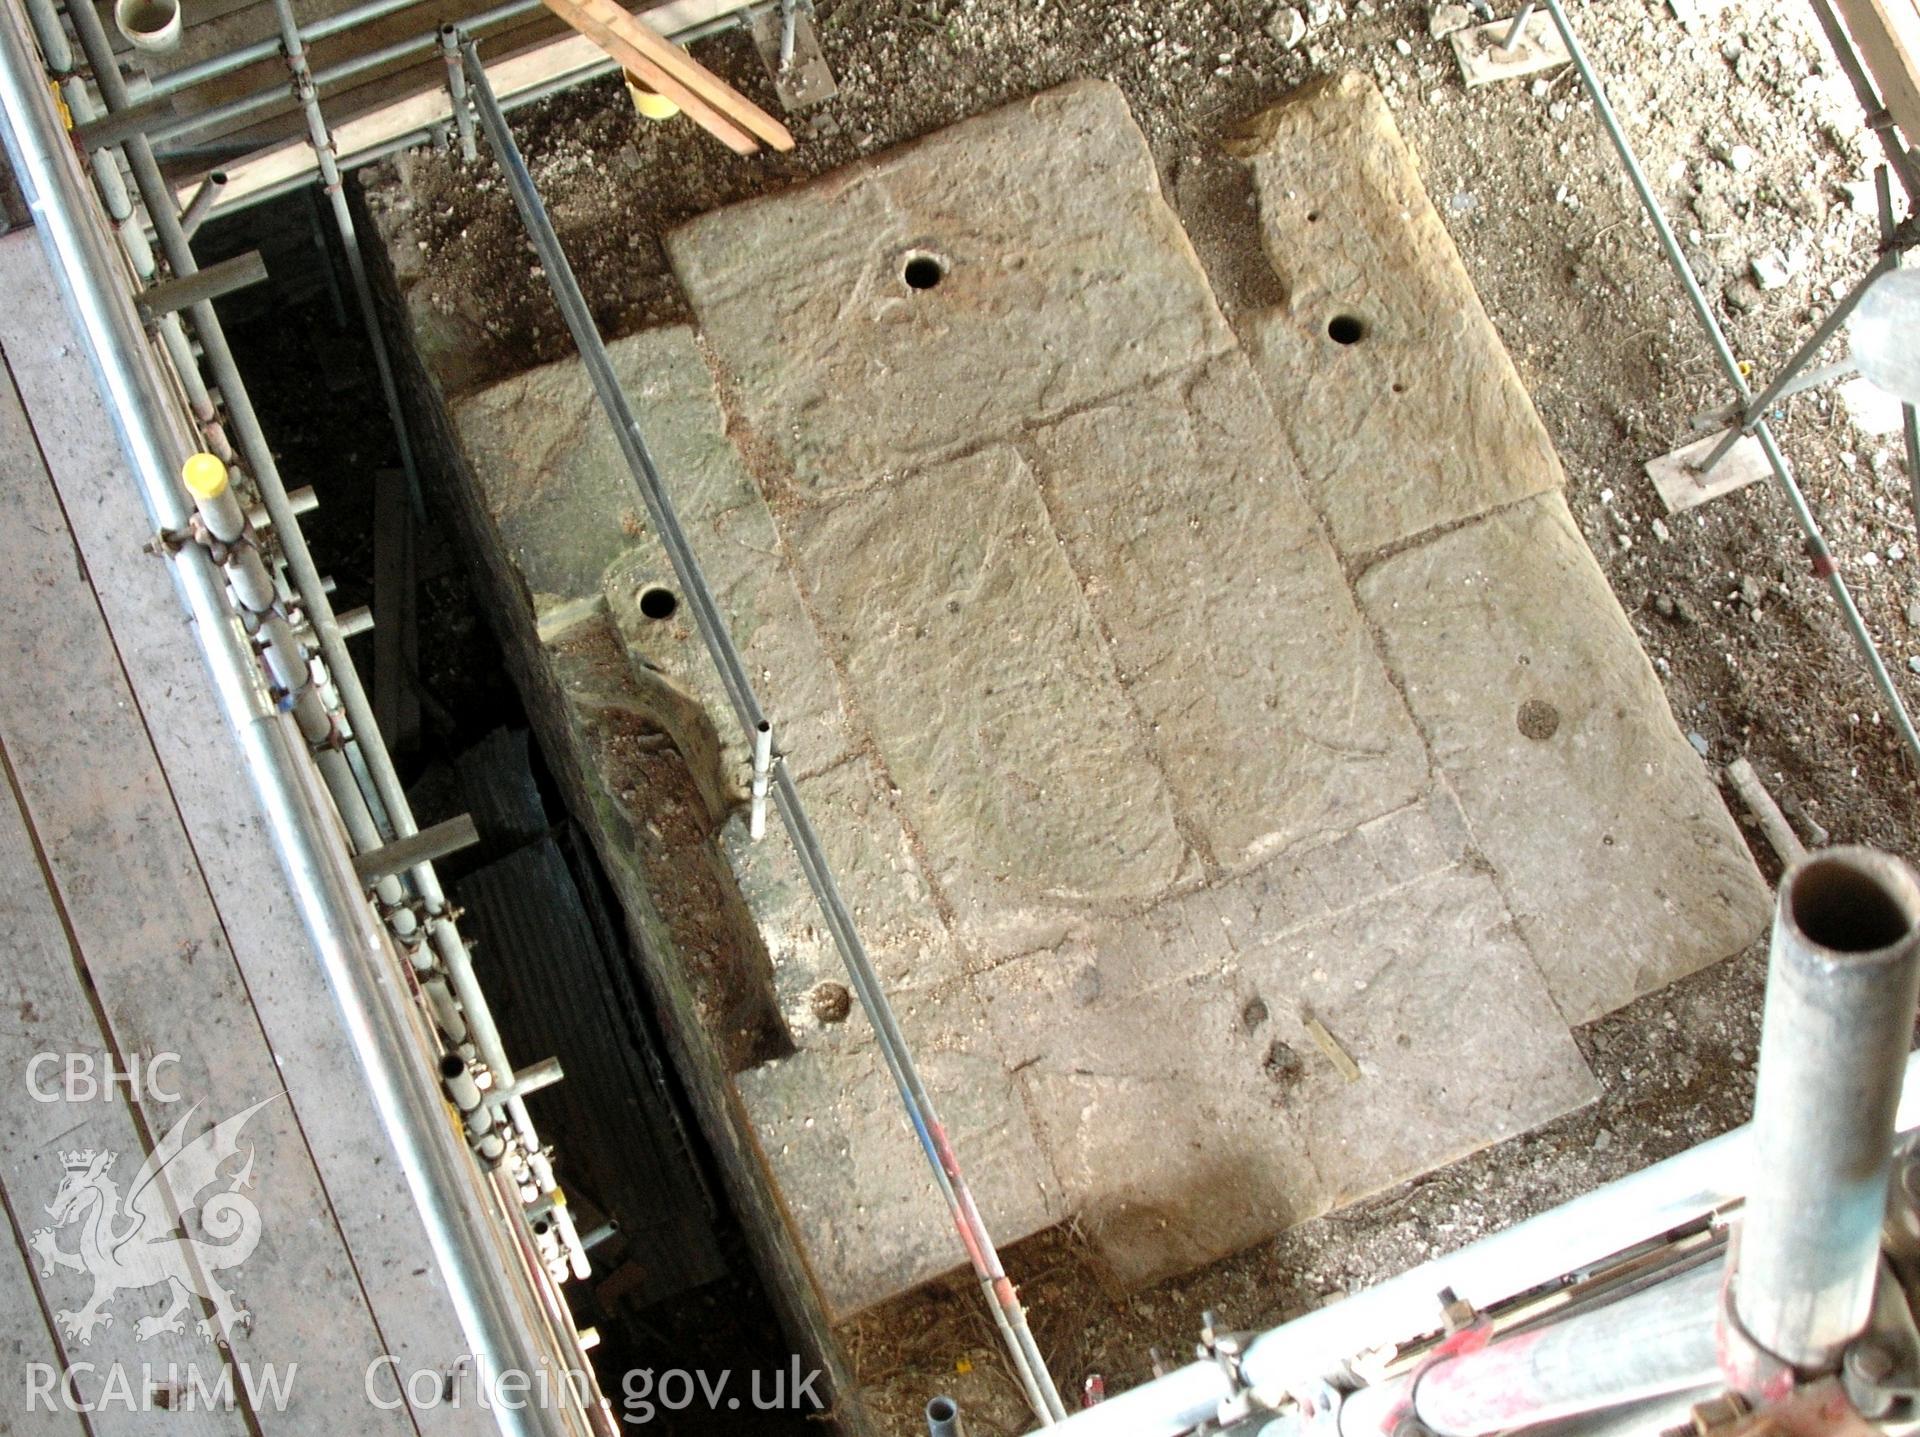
1682, 487
365, 1187
158, 959
619, 43
684, 69
551, 62
27, 1336
48, 1012
1887, 33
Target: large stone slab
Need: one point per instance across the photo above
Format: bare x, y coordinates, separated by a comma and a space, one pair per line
551, 475
880, 877
1187, 1106
1609, 837
1230, 621
1399, 398
855, 1179
554, 485
1058, 275
991, 697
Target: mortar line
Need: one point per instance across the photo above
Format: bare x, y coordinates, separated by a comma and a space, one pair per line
971, 966
1351, 573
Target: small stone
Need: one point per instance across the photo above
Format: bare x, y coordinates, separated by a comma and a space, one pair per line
1287, 27
1740, 159
1700, 744
1741, 295
1448, 18
1770, 270
1401, 44
1913, 613
1913, 663
1664, 606
1662, 532
1602, 1140
1752, 592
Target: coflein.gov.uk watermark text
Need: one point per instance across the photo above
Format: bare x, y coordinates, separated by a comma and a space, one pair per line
642, 1394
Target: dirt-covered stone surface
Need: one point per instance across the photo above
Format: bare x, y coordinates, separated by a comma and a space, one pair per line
1751, 138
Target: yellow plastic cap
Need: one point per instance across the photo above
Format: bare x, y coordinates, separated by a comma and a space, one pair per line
206, 476
651, 106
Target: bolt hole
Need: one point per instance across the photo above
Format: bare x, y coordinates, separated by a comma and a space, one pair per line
658, 603
1313, 217
1346, 329
1538, 720
831, 1003
923, 271
1399, 388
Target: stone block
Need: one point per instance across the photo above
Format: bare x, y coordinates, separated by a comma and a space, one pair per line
1401, 403
1231, 624
993, 704
739, 552
1609, 837
879, 876
853, 1177
1008, 269
1187, 1108
550, 473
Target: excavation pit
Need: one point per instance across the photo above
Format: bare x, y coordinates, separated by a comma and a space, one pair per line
1239, 767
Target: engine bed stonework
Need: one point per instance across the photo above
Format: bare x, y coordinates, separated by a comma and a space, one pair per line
1241, 770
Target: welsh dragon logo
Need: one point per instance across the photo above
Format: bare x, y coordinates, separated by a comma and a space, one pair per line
138, 1243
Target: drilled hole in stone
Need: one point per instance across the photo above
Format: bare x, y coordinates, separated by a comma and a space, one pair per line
658, 603
923, 271
1399, 388
1346, 329
1538, 719
1313, 217
1283, 1065
831, 1002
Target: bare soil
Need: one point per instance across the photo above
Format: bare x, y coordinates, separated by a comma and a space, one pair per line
1749, 135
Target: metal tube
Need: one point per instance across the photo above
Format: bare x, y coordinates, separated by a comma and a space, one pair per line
258, 102
203, 199
1648, 1344
943, 1418
1909, 423
1870, 102
981, 1253
1783, 383
457, 91
533, 94
1519, 24
45, 20
213, 68
1842, 979
1823, 562
323, 150
347, 939
762, 769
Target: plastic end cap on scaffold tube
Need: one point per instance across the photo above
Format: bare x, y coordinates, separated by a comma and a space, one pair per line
206, 476
650, 104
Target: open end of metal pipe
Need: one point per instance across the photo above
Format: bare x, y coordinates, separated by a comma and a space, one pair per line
452, 1065
1852, 902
